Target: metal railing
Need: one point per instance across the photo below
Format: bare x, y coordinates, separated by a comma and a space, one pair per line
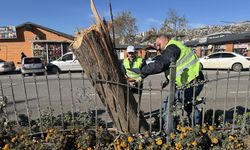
71, 101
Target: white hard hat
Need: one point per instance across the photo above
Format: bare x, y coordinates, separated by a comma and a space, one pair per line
130, 49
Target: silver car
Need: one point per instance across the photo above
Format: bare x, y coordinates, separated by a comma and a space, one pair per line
7, 66
32, 65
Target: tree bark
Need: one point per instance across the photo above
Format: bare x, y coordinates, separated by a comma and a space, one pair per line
94, 49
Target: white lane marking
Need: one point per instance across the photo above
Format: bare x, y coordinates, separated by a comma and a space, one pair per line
147, 93
8, 84
240, 92
32, 83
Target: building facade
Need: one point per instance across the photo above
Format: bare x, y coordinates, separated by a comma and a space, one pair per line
238, 43
34, 40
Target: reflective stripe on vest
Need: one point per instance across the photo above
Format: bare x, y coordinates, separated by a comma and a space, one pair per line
137, 64
188, 65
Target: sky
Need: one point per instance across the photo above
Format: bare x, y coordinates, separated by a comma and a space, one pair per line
69, 15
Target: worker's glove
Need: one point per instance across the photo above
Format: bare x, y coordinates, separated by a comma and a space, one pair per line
132, 84
135, 70
165, 83
138, 80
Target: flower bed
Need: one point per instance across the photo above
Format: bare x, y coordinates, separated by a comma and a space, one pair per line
205, 137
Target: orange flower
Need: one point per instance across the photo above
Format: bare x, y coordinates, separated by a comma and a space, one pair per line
123, 145
6, 147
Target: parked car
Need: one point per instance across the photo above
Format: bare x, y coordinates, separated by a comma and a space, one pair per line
225, 60
32, 65
7, 66
68, 62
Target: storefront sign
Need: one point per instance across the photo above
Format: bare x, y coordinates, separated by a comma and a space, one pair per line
203, 40
242, 45
8, 32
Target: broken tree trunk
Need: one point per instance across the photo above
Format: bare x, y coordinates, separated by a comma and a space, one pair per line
94, 49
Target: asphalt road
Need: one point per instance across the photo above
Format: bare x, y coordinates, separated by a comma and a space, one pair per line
61, 99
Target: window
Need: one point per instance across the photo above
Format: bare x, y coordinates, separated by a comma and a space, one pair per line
218, 55
32, 61
67, 57
227, 55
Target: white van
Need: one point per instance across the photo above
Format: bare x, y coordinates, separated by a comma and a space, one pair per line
68, 62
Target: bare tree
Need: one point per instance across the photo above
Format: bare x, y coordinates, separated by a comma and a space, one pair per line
150, 35
174, 24
125, 27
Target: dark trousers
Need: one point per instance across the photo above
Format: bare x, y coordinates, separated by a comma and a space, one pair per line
188, 94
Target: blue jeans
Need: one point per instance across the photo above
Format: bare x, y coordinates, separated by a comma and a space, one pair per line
188, 105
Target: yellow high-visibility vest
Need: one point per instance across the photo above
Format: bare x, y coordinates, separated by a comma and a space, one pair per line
137, 64
187, 65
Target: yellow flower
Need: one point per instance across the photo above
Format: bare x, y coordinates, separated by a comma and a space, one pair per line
215, 141
165, 146
194, 143
140, 147
78, 145
47, 138
159, 141
181, 135
179, 127
203, 130
230, 138
6, 147
172, 135
211, 128
13, 140
22, 137
185, 134
183, 129
189, 128
123, 145
178, 146
51, 130
89, 148
130, 139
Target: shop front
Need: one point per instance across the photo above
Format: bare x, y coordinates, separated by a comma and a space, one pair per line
49, 50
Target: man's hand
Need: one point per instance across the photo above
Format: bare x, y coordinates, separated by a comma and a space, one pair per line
135, 70
165, 83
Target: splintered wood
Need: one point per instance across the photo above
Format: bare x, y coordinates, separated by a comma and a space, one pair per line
94, 49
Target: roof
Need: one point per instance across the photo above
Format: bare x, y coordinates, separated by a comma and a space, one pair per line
46, 28
221, 39
124, 46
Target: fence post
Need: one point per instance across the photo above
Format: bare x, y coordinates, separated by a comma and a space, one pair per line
14, 100
170, 119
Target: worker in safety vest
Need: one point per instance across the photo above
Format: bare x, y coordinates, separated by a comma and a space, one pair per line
133, 61
187, 68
